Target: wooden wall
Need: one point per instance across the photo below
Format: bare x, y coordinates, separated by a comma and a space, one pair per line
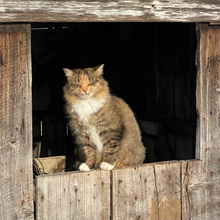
165, 190
16, 180
190, 188
107, 10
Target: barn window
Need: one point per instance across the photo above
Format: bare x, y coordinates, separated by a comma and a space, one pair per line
150, 65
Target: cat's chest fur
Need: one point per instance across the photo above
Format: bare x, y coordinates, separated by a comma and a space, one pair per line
84, 109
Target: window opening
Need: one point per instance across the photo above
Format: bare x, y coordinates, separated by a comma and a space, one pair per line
149, 65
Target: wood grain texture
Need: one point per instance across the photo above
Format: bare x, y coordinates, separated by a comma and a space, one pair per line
74, 195
201, 180
106, 10
133, 193
16, 178
151, 191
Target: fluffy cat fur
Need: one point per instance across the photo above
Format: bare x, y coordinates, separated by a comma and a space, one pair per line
104, 126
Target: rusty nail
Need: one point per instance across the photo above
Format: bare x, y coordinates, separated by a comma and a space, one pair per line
145, 180
144, 16
120, 181
102, 183
42, 197
76, 190
186, 173
135, 198
218, 159
169, 177
211, 172
22, 202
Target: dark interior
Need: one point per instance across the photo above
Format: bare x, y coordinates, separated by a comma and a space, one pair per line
150, 65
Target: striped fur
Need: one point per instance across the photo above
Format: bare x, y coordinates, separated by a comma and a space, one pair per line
104, 126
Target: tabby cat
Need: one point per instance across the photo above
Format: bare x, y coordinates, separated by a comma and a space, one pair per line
106, 132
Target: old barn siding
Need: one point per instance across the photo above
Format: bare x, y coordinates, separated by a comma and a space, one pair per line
179, 190
106, 10
73, 196
166, 190
16, 180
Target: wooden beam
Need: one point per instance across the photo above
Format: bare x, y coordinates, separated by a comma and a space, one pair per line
106, 10
201, 181
16, 177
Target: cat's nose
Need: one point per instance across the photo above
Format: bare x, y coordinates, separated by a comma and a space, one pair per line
85, 90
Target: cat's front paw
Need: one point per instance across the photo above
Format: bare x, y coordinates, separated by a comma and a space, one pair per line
84, 167
106, 166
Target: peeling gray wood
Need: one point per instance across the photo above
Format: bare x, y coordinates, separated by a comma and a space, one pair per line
73, 195
121, 10
16, 178
201, 180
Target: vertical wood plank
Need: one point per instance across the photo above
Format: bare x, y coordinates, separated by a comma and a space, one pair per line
133, 193
152, 191
73, 195
168, 186
201, 180
16, 184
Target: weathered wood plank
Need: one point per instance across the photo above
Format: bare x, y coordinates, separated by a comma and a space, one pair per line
151, 191
106, 10
168, 185
16, 191
193, 191
201, 181
133, 193
73, 195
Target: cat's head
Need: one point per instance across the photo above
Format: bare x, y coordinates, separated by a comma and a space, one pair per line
85, 83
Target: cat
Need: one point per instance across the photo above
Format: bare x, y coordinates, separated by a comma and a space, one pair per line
104, 126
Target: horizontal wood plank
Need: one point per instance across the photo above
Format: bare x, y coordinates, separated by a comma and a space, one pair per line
106, 10
73, 195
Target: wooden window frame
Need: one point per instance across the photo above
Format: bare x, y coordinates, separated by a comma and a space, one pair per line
173, 190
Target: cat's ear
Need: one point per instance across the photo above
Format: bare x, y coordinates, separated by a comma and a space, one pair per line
99, 69
68, 72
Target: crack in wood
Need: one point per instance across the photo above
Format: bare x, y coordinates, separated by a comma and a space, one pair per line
187, 189
111, 195
181, 192
156, 192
